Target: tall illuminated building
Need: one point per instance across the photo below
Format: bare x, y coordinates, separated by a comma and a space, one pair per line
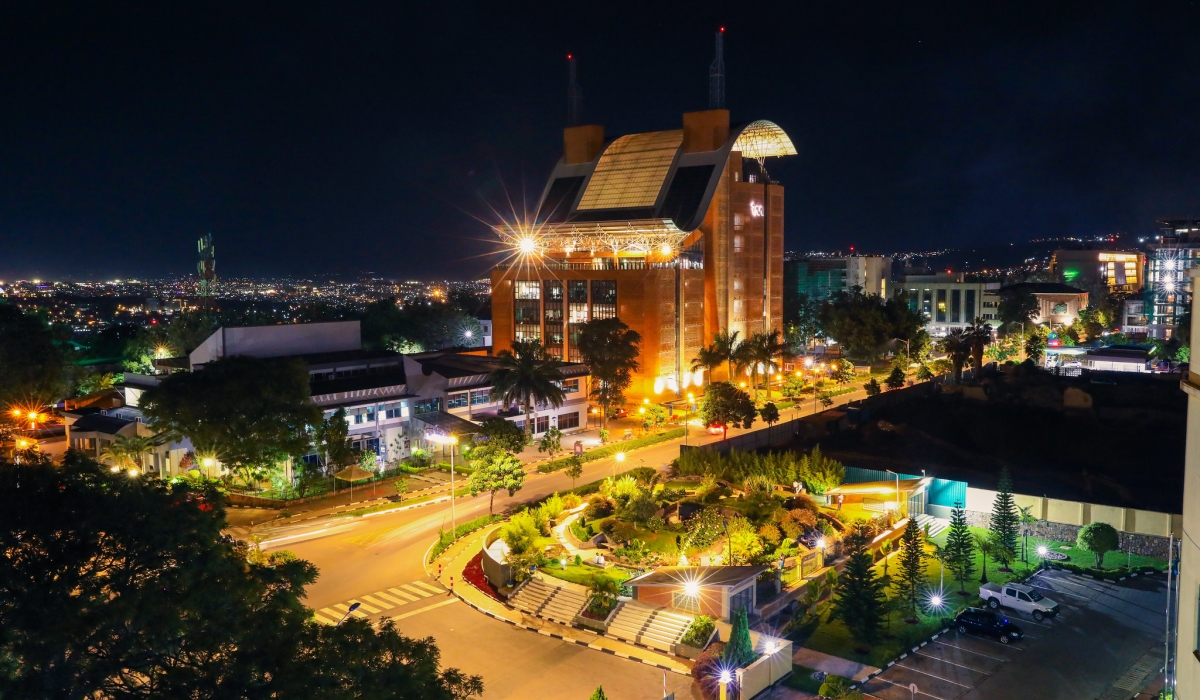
678, 233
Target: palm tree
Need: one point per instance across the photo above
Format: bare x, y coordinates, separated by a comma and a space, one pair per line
979, 334
527, 375
126, 451
708, 358
770, 350
726, 345
956, 345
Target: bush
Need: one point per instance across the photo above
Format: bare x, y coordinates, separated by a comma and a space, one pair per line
704, 528
671, 495
699, 631
445, 539
838, 688
1099, 539
708, 664
640, 507
598, 507
770, 534
571, 501
521, 533
619, 530
552, 507
655, 524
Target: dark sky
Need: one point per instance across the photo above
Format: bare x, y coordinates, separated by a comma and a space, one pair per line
350, 136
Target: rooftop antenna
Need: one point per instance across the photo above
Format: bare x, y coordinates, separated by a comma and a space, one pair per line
207, 267
574, 96
716, 75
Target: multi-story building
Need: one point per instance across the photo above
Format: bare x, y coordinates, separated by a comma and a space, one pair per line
948, 302
1169, 287
1119, 271
1057, 304
678, 233
1133, 317
822, 276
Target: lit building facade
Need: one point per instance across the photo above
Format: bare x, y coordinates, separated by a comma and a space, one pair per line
1119, 271
677, 233
1169, 286
820, 277
948, 302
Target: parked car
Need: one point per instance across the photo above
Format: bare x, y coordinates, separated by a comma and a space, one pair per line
716, 428
1018, 597
986, 622
617, 413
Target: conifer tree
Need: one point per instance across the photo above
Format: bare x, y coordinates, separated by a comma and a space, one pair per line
960, 547
598, 694
911, 565
860, 601
739, 651
1005, 519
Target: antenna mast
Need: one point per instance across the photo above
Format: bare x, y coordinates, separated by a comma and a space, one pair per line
574, 96
716, 75
207, 267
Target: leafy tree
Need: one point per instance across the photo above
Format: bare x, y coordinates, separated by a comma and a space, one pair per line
895, 380
187, 330
744, 542
838, 688
653, 416
1035, 346
126, 451
960, 547
242, 410
1004, 520
527, 375
138, 594
842, 371
725, 404
957, 346
495, 470
872, 387
1017, 305
739, 651
550, 442
427, 325
769, 413
865, 324
574, 468
1099, 539
911, 564
924, 374
704, 528
502, 434
792, 386
33, 365
827, 400
803, 321
95, 382
860, 598
610, 350
333, 445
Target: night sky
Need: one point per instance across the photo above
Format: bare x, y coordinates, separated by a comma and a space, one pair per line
352, 136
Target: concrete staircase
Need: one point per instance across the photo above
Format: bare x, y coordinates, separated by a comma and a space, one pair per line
653, 627
936, 525
551, 598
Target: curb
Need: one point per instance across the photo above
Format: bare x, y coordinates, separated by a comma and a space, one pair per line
893, 662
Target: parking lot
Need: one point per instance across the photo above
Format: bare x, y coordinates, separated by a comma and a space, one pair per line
1101, 633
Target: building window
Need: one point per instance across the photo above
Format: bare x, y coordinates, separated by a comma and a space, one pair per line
737, 308
458, 400
941, 306
569, 386
956, 305
398, 409
927, 304
480, 397
737, 244
682, 601
542, 424
528, 289
738, 222
737, 284
566, 421
970, 305
527, 309
427, 406
604, 299
742, 600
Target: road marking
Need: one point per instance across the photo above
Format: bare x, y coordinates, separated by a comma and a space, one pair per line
426, 608
325, 620
346, 609
364, 606
931, 675
924, 652
418, 591
376, 601
435, 589
399, 592
391, 598
980, 653
330, 612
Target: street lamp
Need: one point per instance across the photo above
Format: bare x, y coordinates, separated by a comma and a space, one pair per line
725, 679
353, 607
617, 458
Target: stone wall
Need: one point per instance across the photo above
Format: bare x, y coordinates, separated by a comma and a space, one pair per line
1131, 542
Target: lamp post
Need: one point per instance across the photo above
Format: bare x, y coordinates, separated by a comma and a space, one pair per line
889, 471
617, 458
725, 679
353, 607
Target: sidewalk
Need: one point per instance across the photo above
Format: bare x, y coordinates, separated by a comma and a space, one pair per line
832, 665
455, 559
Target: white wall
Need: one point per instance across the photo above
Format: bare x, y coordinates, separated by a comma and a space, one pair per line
279, 341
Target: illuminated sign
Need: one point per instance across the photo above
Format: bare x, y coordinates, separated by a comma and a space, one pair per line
756, 210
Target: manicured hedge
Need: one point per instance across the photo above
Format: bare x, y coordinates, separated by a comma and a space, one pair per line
612, 449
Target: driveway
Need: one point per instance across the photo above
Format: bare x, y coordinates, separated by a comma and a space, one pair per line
1102, 632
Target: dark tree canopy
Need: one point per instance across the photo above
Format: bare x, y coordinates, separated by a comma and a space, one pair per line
725, 404
503, 434
864, 325
114, 587
417, 326
31, 364
245, 410
610, 350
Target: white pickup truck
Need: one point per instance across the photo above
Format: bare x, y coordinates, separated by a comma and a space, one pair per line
1018, 597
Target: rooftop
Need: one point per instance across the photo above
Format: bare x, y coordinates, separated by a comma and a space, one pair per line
100, 423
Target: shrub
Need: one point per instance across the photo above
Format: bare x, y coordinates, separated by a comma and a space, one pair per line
838, 688
770, 534
708, 664
699, 631
553, 506
521, 533
704, 528
598, 507
621, 531
671, 495
571, 501
803, 501
640, 507
578, 560
655, 523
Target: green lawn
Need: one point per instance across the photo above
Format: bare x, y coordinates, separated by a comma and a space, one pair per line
801, 679
583, 574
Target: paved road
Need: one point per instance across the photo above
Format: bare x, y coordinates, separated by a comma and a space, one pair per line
1103, 630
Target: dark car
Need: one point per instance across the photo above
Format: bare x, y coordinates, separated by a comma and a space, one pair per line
989, 623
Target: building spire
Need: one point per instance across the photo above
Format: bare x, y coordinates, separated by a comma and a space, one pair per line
716, 75
574, 96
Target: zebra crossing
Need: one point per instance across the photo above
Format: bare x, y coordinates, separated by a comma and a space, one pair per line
383, 601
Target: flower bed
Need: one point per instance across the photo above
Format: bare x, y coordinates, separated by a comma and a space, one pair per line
473, 574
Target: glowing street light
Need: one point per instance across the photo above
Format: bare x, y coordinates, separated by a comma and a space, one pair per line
133, 472
725, 679
527, 245
114, 469
1042, 551
450, 440
691, 588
